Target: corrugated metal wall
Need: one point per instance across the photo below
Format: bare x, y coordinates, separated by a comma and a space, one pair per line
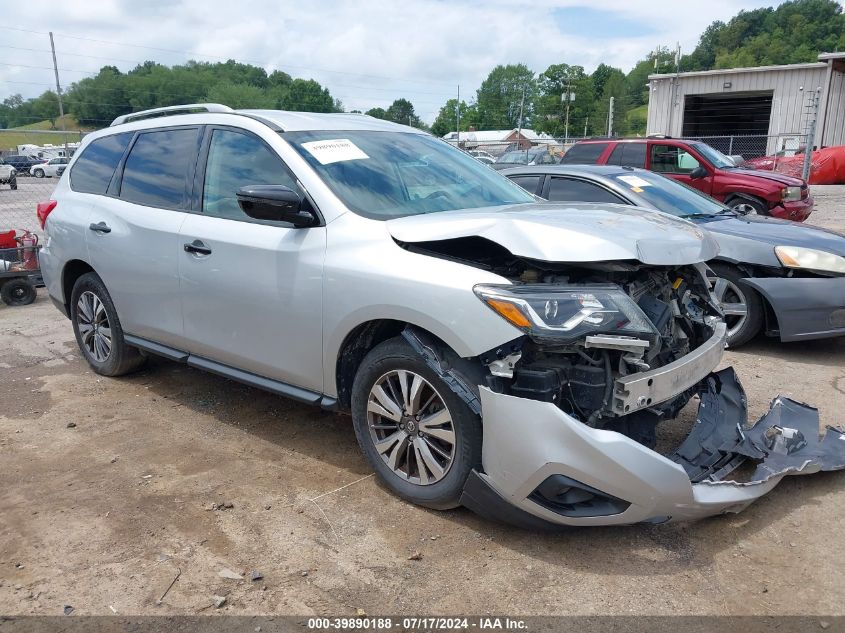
834, 128
789, 111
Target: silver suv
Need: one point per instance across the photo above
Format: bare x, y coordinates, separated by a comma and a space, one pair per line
497, 352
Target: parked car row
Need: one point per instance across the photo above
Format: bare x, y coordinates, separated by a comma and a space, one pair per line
40, 168
495, 351
782, 277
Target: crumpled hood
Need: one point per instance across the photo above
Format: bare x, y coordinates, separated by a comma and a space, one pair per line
768, 175
563, 232
777, 232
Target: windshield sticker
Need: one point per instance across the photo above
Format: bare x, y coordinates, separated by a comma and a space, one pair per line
635, 182
334, 150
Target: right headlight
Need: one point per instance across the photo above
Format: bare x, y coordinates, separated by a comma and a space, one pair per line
567, 312
810, 259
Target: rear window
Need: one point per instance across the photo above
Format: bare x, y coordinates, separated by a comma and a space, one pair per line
584, 154
94, 169
529, 183
156, 169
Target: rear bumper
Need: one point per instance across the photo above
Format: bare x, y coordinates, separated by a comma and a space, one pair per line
806, 308
796, 211
527, 442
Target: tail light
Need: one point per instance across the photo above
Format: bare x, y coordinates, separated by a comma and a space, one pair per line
44, 209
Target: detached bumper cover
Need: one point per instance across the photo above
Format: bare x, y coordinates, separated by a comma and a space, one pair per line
527, 442
806, 308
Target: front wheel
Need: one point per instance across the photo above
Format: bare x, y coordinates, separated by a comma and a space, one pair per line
741, 304
13, 184
97, 329
748, 206
418, 435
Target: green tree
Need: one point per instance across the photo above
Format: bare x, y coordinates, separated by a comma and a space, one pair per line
555, 82
378, 113
446, 120
501, 95
402, 111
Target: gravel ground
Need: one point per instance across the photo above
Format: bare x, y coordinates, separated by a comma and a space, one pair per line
111, 488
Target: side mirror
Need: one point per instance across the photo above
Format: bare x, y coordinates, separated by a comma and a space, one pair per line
275, 203
698, 172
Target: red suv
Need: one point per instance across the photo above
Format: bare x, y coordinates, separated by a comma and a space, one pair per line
704, 168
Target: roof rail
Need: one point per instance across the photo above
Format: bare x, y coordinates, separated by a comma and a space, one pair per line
179, 109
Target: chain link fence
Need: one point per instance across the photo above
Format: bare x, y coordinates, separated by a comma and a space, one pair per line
756, 146
37, 158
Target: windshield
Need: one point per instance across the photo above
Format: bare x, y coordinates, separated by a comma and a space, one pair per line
667, 194
714, 156
384, 175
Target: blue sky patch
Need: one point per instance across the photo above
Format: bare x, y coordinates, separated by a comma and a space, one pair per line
589, 22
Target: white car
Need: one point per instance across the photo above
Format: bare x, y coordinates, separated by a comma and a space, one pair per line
47, 169
8, 175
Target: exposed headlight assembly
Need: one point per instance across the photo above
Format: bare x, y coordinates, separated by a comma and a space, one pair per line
561, 314
791, 194
810, 259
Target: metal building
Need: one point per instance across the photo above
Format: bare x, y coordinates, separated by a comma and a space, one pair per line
772, 104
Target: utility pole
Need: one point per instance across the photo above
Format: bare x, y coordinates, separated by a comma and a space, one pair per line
59, 92
586, 123
610, 118
813, 107
569, 97
458, 116
519, 125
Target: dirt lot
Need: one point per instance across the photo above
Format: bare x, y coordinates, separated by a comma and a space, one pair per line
103, 515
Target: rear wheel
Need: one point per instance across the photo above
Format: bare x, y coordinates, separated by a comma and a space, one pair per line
97, 329
742, 305
38, 173
18, 292
13, 183
747, 206
418, 435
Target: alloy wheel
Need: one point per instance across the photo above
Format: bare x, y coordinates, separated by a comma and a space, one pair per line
744, 208
411, 427
732, 300
92, 320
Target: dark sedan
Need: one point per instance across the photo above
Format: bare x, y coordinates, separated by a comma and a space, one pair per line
22, 164
782, 277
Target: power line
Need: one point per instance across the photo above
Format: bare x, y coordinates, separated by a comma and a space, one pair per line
255, 62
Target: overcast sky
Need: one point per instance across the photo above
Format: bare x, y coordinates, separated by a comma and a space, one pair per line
368, 53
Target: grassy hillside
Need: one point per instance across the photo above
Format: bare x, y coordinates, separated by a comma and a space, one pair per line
10, 139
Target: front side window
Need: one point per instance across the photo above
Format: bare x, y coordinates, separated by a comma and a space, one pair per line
384, 175
668, 159
236, 160
156, 170
575, 190
94, 169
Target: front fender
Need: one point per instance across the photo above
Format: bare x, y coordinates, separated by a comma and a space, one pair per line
806, 308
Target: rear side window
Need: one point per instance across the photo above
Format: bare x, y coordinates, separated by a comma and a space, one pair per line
156, 169
584, 154
529, 183
628, 155
94, 169
572, 190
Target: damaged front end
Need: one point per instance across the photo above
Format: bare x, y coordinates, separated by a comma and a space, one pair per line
570, 409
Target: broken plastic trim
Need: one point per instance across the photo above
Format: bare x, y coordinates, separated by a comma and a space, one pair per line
784, 441
428, 351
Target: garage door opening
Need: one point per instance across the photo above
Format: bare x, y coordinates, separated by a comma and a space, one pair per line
734, 114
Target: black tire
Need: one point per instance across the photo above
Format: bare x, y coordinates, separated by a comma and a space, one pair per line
18, 292
121, 358
755, 315
13, 183
397, 354
38, 173
745, 205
